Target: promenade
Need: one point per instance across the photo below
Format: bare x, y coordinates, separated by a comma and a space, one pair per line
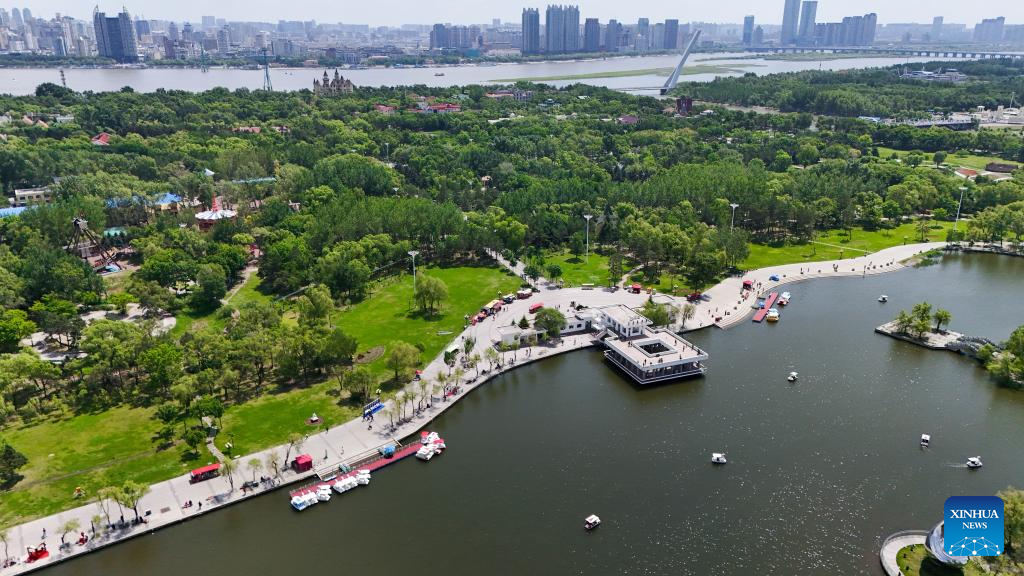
896, 542
354, 440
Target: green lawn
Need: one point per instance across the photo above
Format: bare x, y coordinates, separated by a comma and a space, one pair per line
388, 315
916, 561
967, 161
189, 316
117, 281
582, 270
267, 421
762, 255
88, 450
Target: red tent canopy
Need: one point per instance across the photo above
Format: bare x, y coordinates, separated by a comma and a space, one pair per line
302, 463
206, 469
748, 282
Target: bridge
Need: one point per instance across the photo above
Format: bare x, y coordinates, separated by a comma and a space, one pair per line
926, 52
673, 79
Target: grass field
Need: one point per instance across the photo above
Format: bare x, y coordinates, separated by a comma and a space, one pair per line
389, 315
267, 421
687, 71
968, 161
762, 255
916, 561
88, 450
188, 317
582, 270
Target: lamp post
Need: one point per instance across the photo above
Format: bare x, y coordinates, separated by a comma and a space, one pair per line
413, 253
387, 152
588, 217
734, 206
957, 219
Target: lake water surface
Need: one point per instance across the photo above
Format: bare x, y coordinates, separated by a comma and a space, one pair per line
819, 471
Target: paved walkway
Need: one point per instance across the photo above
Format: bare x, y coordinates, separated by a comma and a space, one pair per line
893, 544
353, 440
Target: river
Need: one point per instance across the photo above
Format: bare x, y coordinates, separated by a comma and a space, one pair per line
20, 81
820, 470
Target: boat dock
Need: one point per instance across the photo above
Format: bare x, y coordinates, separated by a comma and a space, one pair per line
371, 464
760, 314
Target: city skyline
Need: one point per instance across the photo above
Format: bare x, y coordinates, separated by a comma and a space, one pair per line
397, 12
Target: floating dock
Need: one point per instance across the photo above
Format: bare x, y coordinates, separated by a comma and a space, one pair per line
760, 314
372, 465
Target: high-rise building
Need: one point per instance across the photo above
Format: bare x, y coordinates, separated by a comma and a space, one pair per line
936, 33
5, 18
758, 38
868, 28
592, 35
172, 32
990, 30
115, 37
790, 21
612, 33
748, 30
439, 37
808, 13
531, 31
572, 28
671, 34
26, 14
658, 36
642, 41
16, 19
562, 29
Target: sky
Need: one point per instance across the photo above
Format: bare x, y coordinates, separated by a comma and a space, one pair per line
394, 12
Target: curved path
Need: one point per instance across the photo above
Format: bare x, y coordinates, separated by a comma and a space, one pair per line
353, 440
896, 542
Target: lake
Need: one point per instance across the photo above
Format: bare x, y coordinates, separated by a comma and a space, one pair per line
819, 472
20, 81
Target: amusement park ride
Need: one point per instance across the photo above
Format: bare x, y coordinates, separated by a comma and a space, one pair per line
88, 246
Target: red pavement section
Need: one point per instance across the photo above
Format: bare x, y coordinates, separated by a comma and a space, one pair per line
759, 316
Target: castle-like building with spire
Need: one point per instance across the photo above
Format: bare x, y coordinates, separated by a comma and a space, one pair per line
331, 87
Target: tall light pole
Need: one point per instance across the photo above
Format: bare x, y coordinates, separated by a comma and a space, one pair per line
387, 152
734, 206
958, 206
413, 253
588, 217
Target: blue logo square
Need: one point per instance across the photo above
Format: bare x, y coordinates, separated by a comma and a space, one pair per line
973, 526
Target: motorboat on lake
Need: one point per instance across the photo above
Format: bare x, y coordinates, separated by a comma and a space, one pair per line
718, 457
773, 315
883, 298
591, 522
974, 462
792, 376
926, 440
784, 299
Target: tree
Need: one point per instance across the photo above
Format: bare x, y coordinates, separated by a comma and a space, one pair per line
339, 347
255, 466
939, 157
359, 380
903, 322
491, 355
105, 497
922, 311
1013, 520
921, 326
162, 363
69, 525
194, 438
614, 268
120, 302
689, 311
532, 272
227, 469
131, 494
10, 461
468, 343
550, 320
703, 270
656, 313
295, 441
273, 463
212, 286
430, 292
942, 317
524, 323
922, 228
403, 356
577, 244
315, 306
14, 325
152, 297
554, 271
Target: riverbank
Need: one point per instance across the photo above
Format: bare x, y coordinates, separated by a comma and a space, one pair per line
688, 71
353, 440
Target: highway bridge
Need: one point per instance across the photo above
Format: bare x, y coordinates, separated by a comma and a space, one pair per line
673, 78
925, 52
